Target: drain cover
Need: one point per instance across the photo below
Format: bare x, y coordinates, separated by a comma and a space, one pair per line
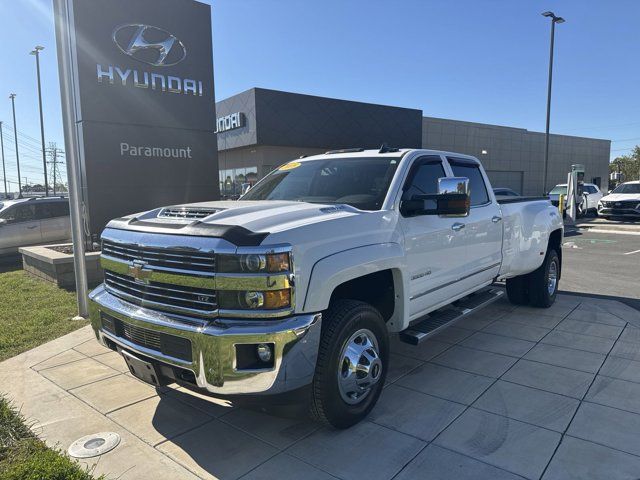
94, 445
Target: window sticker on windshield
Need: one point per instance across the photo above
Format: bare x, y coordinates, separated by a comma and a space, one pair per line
290, 166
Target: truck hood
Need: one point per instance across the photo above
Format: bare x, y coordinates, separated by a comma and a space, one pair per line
259, 218
618, 197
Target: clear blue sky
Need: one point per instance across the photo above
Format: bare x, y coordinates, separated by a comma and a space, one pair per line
483, 61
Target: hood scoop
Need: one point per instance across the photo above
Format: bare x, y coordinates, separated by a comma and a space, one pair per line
190, 213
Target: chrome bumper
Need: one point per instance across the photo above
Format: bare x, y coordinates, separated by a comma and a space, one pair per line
295, 339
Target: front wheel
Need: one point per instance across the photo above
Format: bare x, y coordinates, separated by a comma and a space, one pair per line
352, 363
543, 284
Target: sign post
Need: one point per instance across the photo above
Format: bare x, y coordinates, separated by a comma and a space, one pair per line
64, 40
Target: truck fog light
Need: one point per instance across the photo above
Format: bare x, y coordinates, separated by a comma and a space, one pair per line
253, 299
264, 352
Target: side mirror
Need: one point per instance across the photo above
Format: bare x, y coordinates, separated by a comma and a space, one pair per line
3, 222
452, 200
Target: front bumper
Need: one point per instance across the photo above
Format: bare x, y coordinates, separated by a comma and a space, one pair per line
618, 211
211, 364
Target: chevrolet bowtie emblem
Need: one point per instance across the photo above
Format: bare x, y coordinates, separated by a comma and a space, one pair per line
137, 271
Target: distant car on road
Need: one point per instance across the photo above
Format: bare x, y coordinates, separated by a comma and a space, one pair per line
588, 203
505, 192
33, 221
623, 201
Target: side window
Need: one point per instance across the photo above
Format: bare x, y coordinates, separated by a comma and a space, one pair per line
20, 213
46, 210
477, 187
423, 177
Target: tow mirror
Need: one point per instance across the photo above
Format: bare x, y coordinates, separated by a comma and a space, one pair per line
452, 200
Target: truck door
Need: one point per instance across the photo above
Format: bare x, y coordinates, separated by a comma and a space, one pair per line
435, 250
483, 226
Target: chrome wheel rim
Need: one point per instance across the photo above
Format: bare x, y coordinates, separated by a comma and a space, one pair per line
360, 367
552, 280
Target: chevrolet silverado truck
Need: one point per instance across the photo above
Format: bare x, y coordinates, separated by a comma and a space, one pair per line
300, 284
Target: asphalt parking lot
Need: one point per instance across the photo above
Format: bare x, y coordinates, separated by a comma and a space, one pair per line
603, 263
508, 393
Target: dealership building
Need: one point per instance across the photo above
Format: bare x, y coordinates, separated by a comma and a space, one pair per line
260, 129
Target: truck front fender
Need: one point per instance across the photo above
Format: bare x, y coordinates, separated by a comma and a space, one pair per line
333, 270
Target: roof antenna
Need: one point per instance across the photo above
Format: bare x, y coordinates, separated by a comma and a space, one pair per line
384, 148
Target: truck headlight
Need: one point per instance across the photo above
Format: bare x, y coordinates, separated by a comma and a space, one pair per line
253, 263
250, 300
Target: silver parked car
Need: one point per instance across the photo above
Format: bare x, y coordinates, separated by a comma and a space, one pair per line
33, 221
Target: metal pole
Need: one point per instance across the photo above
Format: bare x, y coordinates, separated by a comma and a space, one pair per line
36, 52
546, 138
4, 170
64, 33
12, 96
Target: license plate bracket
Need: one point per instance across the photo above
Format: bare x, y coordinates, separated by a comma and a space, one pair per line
145, 371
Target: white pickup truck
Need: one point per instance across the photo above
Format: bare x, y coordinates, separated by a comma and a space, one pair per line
297, 286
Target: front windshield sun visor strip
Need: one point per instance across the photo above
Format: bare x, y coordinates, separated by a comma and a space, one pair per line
267, 292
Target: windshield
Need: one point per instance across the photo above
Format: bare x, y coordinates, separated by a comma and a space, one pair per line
359, 182
559, 190
627, 188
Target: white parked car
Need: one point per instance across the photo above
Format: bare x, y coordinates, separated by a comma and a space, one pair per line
33, 221
299, 284
591, 195
623, 201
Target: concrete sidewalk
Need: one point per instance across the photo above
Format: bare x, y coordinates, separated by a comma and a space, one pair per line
508, 393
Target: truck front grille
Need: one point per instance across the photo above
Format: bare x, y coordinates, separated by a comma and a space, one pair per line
162, 296
185, 260
164, 343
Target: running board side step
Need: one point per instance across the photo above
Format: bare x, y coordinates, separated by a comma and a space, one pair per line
447, 316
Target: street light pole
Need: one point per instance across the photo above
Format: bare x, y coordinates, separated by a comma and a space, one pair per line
554, 20
36, 52
4, 170
12, 96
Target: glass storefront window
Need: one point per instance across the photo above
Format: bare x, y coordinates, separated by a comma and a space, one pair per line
233, 179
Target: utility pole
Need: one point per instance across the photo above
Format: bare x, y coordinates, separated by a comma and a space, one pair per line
53, 151
36, 52
12, 96
4, 170
554, 20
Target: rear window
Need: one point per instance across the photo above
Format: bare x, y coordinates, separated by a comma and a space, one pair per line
477, 187
559, 190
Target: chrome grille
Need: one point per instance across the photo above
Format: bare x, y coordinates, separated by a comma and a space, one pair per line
162, 296
186, 212
183, 259
141, 336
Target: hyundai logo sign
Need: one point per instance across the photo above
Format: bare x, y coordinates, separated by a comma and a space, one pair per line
148, 44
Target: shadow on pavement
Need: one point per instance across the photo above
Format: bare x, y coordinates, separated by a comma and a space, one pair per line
631, 302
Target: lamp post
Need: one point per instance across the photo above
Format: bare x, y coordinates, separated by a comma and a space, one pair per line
4, 170
12, 96
554, 20
36, 52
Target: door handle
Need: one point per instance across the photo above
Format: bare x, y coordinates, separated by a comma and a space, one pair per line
31, 228
456, 227
496, 219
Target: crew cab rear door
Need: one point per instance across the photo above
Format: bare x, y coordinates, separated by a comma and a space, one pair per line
482, 227
435, 246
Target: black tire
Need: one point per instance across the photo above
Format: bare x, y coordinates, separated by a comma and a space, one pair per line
539, 289
518, 290
341, 321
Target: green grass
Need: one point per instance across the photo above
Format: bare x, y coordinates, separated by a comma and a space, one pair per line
32, 312
24, 457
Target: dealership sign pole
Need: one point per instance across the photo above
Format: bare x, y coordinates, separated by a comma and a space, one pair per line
68, 90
